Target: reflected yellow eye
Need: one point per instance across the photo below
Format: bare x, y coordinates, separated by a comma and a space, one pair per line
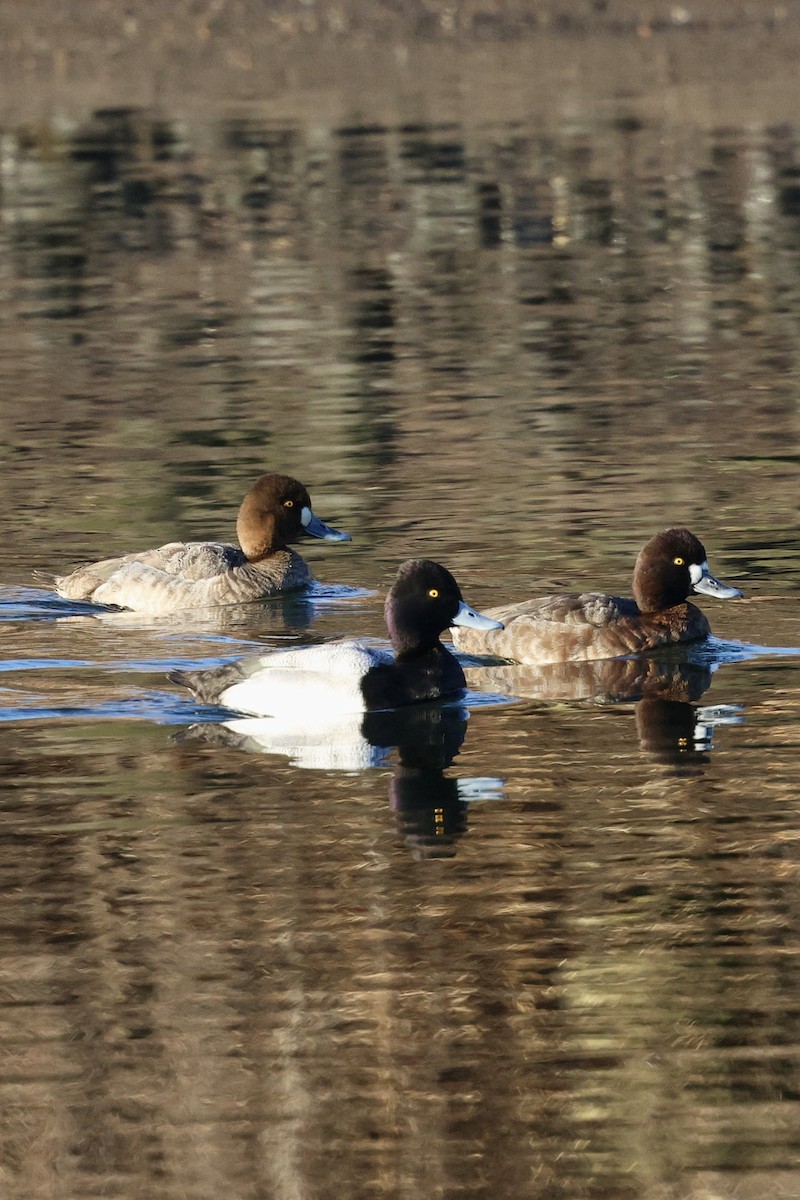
678, 561
288, 504
433, 593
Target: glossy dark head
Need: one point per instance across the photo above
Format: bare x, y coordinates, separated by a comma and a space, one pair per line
424, 601
671, 566
277, 510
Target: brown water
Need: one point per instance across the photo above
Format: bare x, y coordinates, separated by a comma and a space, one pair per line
514, 323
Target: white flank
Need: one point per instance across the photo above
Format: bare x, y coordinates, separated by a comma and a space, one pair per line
315, 683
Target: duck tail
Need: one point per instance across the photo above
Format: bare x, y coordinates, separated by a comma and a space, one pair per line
184, 678
207, 686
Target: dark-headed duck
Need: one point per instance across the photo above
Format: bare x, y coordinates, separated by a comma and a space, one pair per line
574, 628
191, 575
347, 676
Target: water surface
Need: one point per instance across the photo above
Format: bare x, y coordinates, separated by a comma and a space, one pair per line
543, 944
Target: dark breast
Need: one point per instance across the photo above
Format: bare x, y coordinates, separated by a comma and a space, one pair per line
429, 676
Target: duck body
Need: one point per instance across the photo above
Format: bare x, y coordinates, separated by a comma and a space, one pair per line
185, 575
195, 575
351, 676
593, 625
582, 628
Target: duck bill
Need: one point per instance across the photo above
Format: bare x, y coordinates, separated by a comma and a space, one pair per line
703, 581
470, 619
318, 529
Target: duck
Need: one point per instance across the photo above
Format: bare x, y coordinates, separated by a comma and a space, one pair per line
318, 682
195, 575
592, 625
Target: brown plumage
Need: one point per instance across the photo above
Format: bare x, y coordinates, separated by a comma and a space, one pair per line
574, 628
190, 575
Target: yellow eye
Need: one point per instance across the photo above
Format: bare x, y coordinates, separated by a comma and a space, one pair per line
678, 561
288, 504
433, 593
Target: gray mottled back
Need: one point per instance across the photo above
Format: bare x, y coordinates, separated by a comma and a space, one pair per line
185, 575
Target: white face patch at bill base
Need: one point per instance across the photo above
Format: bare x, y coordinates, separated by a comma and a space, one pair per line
703, 581
305, 515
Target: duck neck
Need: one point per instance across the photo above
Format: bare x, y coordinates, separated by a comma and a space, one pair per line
653, 596
258, 539
412, 651
410, 639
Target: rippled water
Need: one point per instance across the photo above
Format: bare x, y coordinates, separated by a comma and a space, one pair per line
546, 943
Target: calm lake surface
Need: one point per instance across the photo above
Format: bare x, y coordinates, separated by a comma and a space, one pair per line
516, 309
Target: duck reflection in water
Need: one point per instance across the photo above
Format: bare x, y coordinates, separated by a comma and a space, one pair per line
431, 808
672, 729
279, 614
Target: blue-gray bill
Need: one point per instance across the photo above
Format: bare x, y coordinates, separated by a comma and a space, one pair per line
318, 529
709, 586
474, 620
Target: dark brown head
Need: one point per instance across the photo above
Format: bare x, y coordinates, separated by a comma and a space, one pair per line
276, 511
669, 567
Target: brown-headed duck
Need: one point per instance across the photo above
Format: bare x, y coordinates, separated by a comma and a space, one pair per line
574, 628
191, 575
